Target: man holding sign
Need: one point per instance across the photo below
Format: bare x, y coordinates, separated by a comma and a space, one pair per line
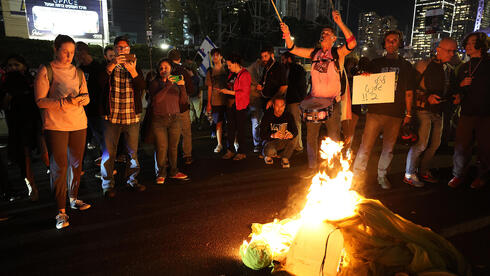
387, 118
326, 76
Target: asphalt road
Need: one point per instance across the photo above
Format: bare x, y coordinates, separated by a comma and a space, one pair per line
196, 227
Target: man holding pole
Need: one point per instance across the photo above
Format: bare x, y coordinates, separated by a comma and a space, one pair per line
328, 81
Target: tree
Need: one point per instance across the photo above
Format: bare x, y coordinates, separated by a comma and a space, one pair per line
173, 23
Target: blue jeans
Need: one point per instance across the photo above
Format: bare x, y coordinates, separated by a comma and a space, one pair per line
272, 147
96, 126
430, 126
375, 124
111, 135
166, 130
313, 131
256, 112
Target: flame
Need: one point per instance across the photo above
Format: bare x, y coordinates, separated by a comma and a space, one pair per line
329, 199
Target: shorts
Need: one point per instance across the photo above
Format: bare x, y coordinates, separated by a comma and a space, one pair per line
218, 113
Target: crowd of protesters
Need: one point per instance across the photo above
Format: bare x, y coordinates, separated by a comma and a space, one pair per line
51, 112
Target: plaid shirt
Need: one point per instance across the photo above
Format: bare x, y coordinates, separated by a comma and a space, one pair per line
122, 98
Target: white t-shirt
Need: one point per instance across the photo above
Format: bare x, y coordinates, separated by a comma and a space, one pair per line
325, 77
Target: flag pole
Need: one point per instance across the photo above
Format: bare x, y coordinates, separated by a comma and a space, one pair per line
279, 16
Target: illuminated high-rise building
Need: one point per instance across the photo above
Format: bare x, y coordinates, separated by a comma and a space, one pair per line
370, 32
464, 18
432, 20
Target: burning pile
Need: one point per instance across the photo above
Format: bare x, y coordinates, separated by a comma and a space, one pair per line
338, 232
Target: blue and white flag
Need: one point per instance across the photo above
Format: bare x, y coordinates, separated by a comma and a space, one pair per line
204, 51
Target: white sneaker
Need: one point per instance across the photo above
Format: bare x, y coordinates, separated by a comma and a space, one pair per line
62, 221
218, 148
77, 204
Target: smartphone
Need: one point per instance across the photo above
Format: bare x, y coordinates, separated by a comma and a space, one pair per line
129, 57
175, 78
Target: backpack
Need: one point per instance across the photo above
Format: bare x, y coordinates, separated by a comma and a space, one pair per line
50, 75
335, 56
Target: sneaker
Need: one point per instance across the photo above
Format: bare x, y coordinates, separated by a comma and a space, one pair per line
218, 148
98, 161
90, 146
308, 173
268, 160
428, 177
285, 163
99, 175
384, 182
455, 182
239, 157
160, 180
257, 149
188, 160
228, 155
77, 204
180, 176
137, 187
477, 183
236, 145
413, 180
62, 221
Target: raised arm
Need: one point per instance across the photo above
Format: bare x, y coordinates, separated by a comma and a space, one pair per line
349, 37
286, 35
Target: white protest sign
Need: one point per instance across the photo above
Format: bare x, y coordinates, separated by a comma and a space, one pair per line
374, 88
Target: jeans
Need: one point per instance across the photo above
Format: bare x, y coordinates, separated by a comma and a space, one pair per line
166, 130
313, 131
469, 128
430, 126
112, 132
185, 123
271, 148
375, 124
293, 108
195, 107
65, 170
256, 113
236, 125
96, 126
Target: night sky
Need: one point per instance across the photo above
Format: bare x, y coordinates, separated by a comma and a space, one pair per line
129, 14
402, 10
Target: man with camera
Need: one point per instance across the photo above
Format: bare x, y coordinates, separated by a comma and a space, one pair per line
437, 83
122, 87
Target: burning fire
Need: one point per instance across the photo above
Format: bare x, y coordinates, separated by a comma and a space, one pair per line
329, 199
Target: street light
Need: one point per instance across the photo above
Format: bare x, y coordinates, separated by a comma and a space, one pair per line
164, 46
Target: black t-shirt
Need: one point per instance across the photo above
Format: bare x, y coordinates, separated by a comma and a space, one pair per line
92, 74
271, 124
272, 79
475, 97
404, 81
296, 84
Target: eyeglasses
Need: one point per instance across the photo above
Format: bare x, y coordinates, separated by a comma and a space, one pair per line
120, 48
449, 50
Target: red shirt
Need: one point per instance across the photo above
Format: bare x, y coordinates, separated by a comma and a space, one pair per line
242, 89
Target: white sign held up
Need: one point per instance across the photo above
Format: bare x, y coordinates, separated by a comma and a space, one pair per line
374, 88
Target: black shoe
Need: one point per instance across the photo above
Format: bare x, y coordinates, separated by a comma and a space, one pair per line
109, 193
137, 187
